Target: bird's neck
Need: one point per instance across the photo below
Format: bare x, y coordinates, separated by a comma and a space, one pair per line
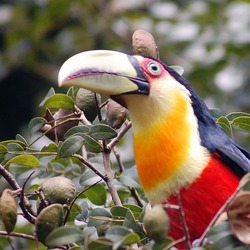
167, 146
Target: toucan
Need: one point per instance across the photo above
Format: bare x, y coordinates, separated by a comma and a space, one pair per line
179, 149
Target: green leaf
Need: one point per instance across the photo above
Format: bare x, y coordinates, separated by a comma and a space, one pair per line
13, 149
64, 235
33, 188
99, 216
21, 139
56, 166
117, 233
131, 239
97, 194
218, 233
50, 93
76, 130
100, 244
74, 211
225, 124
36, 124
75, 248
88, 178
177, 69
136, 210
129, 178
7, 142
22, 163
102, 132
216, 113
92, 145
58, 101
126, 218
167, 241
72, 92
24, 160
234, 115
70, 146
242, 122
3, 152
51, 148
119, 213
123, 193
128, 239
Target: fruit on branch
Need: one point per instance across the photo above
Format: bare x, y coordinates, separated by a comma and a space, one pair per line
86, 101
156, 223
116, 114
58, 189
8, 210
50, 218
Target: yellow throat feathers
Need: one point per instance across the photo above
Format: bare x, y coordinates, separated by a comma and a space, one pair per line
166, 141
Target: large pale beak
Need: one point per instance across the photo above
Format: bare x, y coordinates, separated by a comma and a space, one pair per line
106, 72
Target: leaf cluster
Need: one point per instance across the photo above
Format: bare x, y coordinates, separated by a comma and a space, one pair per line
108, 208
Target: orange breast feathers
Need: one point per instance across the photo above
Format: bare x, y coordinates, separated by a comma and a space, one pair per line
161, 149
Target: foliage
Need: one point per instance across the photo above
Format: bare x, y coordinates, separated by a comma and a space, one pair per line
108, 209
209, 39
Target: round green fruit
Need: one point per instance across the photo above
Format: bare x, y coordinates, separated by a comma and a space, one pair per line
50, 218
86, 101
58, 189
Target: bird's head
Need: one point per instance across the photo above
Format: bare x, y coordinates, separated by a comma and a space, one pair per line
137, 82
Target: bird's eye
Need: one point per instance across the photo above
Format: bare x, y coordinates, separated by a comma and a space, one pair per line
154, 68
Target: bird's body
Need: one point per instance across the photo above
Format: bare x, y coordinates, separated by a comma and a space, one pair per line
178, 146
203, 198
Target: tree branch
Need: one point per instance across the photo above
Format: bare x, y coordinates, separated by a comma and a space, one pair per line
109, 176
183, 221
127, 126
20, 235
89, 165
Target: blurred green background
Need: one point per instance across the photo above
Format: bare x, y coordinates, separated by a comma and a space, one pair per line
209, 39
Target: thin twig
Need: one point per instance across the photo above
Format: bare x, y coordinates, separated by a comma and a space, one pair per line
183, 221
215, 218
10, 243
89, 165
57, 125
136, 197
22, 196
118, 159
76, 197
19, 235
172, 244
104, 103
84, 120
127, 126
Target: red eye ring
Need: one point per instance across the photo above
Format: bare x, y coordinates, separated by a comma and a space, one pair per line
154, 68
